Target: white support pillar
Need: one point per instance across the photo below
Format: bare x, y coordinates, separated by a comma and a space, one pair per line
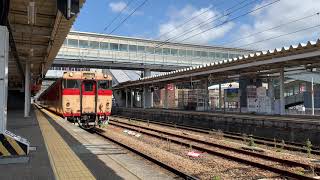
4, 55
132, 98
144, 97
166, 96
27, 91
126, 91
271, 94
206, 103
312, 96
147, 94
282, 100
220, 97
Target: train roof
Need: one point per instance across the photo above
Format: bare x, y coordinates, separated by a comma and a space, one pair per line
86, 75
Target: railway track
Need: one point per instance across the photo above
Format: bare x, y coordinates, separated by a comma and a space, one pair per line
236, 136
156, 161
255, 159
100, 132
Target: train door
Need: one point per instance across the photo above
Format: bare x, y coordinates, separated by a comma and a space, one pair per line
88, 97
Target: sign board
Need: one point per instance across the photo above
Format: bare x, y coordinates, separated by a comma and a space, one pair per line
4, 53
232, 95
16, 137
170, 87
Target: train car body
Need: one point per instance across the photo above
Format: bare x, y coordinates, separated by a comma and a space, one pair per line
83, 97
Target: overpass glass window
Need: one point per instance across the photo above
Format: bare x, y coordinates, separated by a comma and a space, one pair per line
197, 53
204, 54
132, 48
224, 55
212, 55
141, 49
189, 53
174, 52
166, 51
94, 45
104, 45
150, 50
158, 51
218, 55
123, 47
182, 52
83, 44
114, 46
71, 83
65, 42
73, 42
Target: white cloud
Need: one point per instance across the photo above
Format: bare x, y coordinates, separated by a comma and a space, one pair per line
117, 6
280, 13
121, 7
177, 17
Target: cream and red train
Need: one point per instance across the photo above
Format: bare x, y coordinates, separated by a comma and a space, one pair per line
83, 97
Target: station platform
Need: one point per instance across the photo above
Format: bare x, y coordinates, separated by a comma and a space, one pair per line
291, 129
62, 150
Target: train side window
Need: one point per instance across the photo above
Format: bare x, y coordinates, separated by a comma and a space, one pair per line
104, 84
71, 83
88, 86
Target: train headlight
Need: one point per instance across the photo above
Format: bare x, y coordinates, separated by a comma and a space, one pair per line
67, 104
107, 104
71, 74
105, 76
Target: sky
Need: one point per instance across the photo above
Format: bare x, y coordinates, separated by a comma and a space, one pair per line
251, 24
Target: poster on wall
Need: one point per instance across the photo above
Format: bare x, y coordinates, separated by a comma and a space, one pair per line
232, 95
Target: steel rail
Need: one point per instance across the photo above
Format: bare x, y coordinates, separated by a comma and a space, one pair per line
237, 136
224, 155
161, 164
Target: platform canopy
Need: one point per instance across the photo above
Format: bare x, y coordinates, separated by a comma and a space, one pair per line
293, 59
308, 77
37, 40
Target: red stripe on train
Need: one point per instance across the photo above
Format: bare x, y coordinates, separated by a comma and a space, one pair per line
70, 92
66, 114
88, 93
104, 113
105, 92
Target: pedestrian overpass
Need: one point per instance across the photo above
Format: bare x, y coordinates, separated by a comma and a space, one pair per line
83, 49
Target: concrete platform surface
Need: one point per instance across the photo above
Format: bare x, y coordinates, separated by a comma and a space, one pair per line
38, 165
107, 160
62, 150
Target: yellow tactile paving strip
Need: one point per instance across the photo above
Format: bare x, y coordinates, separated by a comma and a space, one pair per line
65, 163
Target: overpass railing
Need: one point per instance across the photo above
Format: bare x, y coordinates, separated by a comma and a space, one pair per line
132, 57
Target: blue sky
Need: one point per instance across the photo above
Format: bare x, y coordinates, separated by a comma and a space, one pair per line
159, 16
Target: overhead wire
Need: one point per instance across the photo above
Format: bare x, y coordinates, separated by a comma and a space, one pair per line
125, 19
118, 15
208, 21
272, 28
232, 19
274, 37
189, 20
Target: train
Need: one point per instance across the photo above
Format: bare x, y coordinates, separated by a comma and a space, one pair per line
82, 97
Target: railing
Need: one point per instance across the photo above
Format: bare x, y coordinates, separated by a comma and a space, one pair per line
132, 57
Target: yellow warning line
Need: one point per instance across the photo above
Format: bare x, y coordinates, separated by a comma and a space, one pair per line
4, 150
16, 146
65, 163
